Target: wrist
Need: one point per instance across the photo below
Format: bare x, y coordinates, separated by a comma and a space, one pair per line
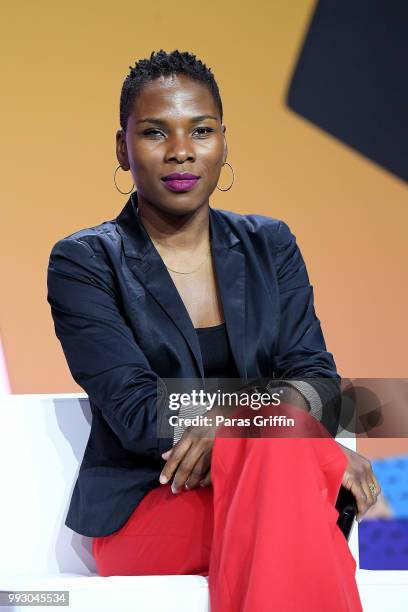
291, 395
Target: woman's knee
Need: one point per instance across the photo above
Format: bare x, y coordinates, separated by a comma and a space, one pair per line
167, 533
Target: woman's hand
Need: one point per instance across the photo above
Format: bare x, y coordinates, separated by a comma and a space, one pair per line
190, 459
191, 456
357, 478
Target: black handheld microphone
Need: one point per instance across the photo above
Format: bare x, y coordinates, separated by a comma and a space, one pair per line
346, 505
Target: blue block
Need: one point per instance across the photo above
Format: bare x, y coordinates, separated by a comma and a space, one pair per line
383, 544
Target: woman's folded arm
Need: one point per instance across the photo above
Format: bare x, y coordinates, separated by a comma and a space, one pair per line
100, 347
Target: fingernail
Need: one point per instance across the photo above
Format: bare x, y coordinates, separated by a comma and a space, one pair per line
173, 488
163, 479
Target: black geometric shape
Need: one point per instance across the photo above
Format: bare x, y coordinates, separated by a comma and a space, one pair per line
351, 79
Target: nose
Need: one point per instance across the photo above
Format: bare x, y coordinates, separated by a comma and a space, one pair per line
180, 149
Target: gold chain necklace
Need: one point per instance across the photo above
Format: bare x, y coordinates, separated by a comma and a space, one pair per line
178, 272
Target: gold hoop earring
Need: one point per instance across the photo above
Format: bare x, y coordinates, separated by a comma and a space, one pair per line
114, 180
233, 177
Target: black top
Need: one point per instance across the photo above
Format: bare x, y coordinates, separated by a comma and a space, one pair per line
218, 360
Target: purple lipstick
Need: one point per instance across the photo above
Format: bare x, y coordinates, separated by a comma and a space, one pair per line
180, 181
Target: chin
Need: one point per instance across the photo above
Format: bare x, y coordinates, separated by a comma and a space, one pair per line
178, 204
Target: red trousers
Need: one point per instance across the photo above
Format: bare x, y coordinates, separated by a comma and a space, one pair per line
265, 533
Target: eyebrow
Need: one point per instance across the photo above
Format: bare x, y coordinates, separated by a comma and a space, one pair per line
164, 122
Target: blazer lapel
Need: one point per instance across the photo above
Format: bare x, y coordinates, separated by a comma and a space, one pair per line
147, 265
229, 266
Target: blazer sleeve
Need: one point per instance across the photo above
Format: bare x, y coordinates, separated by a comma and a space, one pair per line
100, 348
301, 355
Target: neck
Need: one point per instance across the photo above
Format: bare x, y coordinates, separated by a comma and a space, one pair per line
182, 233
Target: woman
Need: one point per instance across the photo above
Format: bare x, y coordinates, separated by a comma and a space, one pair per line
173, 289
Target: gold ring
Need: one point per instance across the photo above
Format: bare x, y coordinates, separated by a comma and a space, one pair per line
373, 488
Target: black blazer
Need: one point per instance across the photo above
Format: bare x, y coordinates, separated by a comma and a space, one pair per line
123, 327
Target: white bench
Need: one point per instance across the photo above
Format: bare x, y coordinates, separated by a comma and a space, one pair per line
42, 439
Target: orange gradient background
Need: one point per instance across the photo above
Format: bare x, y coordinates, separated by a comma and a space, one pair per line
63, 68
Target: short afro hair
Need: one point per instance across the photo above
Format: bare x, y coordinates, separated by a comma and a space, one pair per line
164, 64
